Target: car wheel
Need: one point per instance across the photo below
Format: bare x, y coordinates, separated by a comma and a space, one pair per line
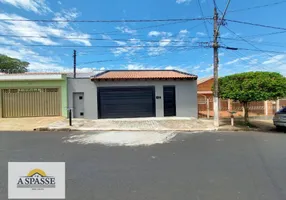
279, 128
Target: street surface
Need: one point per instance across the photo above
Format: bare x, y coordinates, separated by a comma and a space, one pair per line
198, 166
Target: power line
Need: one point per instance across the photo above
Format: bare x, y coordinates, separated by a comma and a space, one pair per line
266, 34
120, 59
223, 15
141, 28
258, 42
97, 46
205, 24
255, 24
96, 39
259, 50
256, 7
244, 56
102, 21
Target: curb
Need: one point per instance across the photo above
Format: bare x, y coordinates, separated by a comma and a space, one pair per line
188, 130
75, 129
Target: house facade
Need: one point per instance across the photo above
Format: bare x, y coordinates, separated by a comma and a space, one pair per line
257, 108
33, 95
133, 93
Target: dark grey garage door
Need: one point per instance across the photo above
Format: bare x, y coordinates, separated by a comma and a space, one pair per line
119, 102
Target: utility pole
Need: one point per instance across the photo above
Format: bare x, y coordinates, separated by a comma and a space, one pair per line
74, 63
215, 57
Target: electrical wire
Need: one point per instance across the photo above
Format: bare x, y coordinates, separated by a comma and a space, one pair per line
205, 24
255, 24
258, 42
98, 46
257, 49
256, 7
95, 39
102, 21
137, 58
241, 56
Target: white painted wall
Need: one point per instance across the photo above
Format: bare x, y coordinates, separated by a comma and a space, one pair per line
186, 94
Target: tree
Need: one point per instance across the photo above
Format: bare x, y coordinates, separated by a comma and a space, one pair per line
252, 86
12, 65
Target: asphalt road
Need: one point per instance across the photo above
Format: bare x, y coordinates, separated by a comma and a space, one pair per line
200, 166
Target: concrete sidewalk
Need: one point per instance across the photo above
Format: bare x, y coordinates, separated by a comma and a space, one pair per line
133, 124
27, 123
255, 125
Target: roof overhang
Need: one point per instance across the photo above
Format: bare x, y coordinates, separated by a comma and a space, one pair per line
205, 92
140, 79
31, 77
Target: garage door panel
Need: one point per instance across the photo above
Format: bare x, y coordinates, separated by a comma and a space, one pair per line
31, 102
127, 102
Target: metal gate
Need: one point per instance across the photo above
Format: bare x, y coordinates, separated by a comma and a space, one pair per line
31, 102
128, 102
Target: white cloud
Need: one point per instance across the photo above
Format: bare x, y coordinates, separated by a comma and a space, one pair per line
37, 6
138, 66
206, 70
154, 33
183, 32
102, 68
134, 41
129, 51
227, 34
84, 70
179, 68
183, 1
135, 67
59, 2
37, 62
120, 42
201, 34
68, 14
258, 40
274, 60
164, 42
253, 61
106, 37
9, 42
221, 54
232, 61
153, 51
157, 33
125, 29
43, 34
169, 68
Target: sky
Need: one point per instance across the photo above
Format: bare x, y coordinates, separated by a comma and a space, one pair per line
180, 45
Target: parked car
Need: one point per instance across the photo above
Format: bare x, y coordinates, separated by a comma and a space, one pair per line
279, 119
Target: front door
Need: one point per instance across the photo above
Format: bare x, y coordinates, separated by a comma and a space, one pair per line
78, 105
169, 101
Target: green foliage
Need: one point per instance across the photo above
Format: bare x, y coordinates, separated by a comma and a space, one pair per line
252, 86
12, 65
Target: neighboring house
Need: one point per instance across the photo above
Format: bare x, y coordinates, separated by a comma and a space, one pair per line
205, 98
133, 93
205, 88
33, 95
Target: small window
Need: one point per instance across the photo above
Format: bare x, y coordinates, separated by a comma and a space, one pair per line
80, 97
81, 114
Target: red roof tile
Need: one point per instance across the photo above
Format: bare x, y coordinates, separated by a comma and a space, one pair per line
143, 74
